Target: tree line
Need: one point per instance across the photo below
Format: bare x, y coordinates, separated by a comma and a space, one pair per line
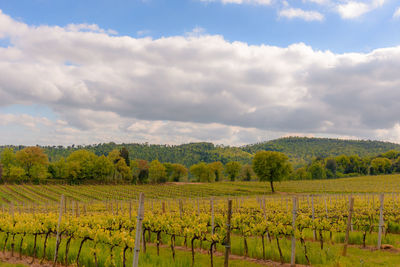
31, 164
300, 150
349, 166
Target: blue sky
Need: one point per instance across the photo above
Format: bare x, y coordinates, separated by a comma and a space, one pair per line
249, 22
226, 71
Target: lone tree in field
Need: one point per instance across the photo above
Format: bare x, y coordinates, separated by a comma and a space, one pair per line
271, 166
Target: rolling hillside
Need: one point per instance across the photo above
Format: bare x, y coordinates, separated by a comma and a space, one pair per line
300, 150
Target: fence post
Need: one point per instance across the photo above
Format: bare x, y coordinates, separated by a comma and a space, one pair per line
130, 209
293, 258
180, 208
212, 216
140, 215
326, 207
381, 198
313, 216
228, 234
346, 240
58, 230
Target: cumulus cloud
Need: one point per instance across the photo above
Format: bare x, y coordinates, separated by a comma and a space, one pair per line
192, 87
301, 14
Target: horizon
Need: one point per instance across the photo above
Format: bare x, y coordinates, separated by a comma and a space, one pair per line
215, 144
230, 72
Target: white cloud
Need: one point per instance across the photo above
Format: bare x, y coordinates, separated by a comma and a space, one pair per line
292, 13
189, 88
355, 9
352, 10
88, 27
396, 14
347, 9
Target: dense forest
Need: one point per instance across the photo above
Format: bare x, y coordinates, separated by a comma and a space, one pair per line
308, 158
300, 150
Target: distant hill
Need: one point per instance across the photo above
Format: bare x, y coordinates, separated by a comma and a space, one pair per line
187, 154
300, 150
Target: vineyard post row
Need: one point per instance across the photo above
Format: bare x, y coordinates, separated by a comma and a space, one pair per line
238, 202
115, 205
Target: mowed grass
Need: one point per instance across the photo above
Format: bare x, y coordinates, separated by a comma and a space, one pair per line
363, 184
84, 193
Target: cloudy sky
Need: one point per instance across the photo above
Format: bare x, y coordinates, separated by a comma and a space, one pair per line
227, 71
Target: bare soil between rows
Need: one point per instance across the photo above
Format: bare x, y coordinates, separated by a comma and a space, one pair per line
24, 260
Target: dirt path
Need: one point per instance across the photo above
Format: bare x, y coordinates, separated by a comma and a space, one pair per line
232, 256
24, 260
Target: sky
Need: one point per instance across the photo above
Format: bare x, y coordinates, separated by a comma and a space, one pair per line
230, 72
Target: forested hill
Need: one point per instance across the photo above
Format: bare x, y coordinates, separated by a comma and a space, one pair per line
186, 154
301, 150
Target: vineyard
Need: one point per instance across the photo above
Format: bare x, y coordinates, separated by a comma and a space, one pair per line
45, 194
186, 225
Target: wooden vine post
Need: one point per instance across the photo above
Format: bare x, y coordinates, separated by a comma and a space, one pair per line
58, 230
228, 234
293, 257
212, 215
130, 209
346, 240
313, 216
140, 215
381, 198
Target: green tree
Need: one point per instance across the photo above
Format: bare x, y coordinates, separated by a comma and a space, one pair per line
178, 172
232, 169
39, 173
157, 172
135, 171
331, 165
123, 171
302, 174
59, 169
202, 172
17, 174
143, 175
271, 166
7, 159
246, 173
217, 168
103, 168
380, 165
168, 170
114, 156
80, 166
34, 161
391, 154
343, 163
124, 153
317, 171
